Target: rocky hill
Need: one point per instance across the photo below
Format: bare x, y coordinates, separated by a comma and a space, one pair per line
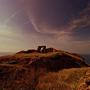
47, 69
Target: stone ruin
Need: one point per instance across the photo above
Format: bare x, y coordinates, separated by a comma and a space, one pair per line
43, 49
40, 49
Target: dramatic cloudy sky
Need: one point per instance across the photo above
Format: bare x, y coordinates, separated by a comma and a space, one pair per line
63, 24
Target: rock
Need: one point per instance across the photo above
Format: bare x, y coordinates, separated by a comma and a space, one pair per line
84, 83
87, 82
41, 49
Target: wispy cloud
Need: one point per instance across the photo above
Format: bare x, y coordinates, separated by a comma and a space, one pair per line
13, 15
50, 20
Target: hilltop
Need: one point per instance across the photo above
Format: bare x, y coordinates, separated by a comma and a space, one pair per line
42, 69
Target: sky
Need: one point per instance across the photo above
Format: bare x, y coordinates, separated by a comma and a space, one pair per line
62, 24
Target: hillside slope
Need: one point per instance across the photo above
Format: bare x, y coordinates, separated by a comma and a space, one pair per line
42, 71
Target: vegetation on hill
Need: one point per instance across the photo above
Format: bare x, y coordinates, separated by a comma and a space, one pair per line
57, 70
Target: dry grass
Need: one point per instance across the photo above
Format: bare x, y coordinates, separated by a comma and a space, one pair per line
23, 76
66, 79
19, 77
36, 55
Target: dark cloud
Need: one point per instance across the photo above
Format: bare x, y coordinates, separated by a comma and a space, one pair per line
81, 31
60, 17
81, 34
54, 15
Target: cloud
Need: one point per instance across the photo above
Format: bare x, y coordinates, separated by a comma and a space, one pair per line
9, 33
81, 25
60, 18
11, 17
79, 47
83, 19
47, 14
56, 23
